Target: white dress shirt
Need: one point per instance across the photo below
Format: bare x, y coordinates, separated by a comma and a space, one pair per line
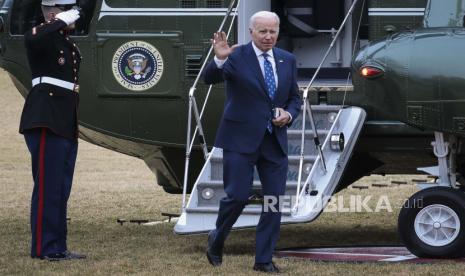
261, 61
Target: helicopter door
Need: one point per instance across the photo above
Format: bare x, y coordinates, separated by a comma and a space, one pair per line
140, 70
307, 28
137, 56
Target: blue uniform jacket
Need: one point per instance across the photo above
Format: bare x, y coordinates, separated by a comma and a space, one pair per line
52, 53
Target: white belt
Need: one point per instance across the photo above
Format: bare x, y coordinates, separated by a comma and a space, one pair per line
61, 83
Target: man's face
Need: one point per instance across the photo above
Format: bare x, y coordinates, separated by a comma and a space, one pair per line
265, 33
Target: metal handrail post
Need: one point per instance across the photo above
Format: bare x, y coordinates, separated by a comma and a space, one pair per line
198, 117
211, 85
325, 143
302, 145
203, 143
201, 115
231, 6
188, 152
316, 139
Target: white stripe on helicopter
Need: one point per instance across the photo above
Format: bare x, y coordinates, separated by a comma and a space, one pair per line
106, 10
109, 11
396, 11
102, 14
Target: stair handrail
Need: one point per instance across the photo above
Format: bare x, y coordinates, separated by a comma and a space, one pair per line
317, 160
307, 109
193, 108
211, 85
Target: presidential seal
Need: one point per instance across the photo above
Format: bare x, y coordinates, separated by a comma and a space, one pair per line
137, 65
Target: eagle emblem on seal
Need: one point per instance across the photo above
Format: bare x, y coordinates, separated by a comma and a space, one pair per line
137, 66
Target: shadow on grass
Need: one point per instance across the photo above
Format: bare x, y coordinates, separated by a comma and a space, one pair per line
302, 236
293, 236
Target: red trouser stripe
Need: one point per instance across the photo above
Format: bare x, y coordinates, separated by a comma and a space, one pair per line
40, 211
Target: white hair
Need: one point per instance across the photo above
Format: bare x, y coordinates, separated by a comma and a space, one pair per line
262, 14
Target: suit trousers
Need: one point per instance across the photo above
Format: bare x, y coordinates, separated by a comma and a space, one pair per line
53, 159
238, 173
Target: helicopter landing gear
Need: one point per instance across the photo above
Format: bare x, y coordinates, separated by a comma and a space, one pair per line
445, 171
432, 221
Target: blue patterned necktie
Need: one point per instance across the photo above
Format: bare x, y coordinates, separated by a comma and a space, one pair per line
270, 83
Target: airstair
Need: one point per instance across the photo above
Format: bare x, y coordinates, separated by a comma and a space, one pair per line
315, 168
202, 209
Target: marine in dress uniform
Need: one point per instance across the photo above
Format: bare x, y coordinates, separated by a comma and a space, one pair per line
49, 124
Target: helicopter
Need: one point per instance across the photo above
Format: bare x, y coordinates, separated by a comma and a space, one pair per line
417, 75
141, 59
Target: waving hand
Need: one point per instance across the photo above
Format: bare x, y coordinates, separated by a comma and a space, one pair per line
221, 47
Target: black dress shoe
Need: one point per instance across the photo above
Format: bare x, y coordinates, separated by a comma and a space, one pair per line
63, 256
268, 268
215, 257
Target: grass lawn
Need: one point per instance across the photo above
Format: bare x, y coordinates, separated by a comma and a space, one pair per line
109, 185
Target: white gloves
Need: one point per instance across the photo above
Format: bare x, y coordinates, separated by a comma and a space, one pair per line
69, 17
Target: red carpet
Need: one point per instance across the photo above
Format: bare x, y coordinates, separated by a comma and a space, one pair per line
357, 254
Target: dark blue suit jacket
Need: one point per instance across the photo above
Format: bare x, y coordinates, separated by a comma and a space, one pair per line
248, 106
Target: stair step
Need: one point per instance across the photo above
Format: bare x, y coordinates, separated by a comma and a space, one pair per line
308, 133
216, 191
325, 108
323, 117
291, 158
201, 212
256, 184
338, 85
248, 210
292, 175
307, 158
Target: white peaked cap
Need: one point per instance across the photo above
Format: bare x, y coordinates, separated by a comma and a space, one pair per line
52, 3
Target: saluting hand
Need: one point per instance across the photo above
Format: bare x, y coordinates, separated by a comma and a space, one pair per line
220, 45
69, 17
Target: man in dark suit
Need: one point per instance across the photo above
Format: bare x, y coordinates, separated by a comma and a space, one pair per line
49, 125
260, 81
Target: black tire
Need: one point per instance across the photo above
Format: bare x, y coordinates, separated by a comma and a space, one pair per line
455, 200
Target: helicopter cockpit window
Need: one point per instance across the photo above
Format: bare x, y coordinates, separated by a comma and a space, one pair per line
28, 13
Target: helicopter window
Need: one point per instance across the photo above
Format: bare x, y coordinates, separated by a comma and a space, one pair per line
87, 12
28, 13
188, 4
25, 15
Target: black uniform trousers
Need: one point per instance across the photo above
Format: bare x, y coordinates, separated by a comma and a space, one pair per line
238, 171
53, 160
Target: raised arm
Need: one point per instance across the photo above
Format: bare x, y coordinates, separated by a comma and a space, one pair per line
214, 71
